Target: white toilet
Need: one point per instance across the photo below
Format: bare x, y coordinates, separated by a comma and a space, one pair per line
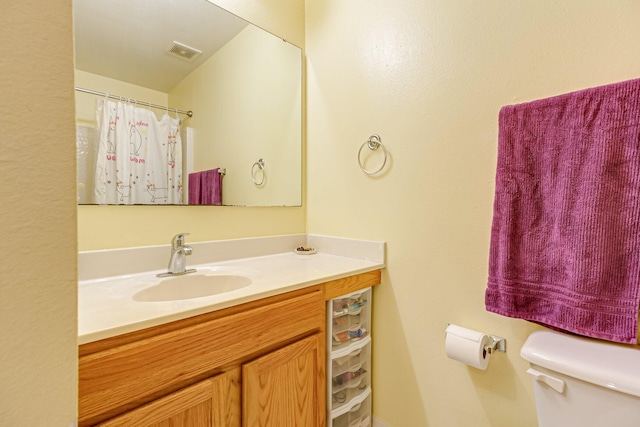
582, 382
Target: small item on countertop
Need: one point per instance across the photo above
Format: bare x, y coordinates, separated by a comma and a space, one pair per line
304, 250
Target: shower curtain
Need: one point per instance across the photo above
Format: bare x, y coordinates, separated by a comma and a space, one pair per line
139, 158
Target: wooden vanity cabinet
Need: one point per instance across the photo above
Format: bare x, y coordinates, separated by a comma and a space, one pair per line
279, 389
257, 364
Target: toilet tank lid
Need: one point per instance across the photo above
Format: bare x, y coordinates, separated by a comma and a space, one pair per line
610, 365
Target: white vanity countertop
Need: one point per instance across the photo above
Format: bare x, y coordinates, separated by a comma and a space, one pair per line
106, 307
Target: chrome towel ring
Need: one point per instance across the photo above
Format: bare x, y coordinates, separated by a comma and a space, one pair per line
260, 165
374, 142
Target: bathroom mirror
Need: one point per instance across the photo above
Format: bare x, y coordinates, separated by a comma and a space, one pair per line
242, 83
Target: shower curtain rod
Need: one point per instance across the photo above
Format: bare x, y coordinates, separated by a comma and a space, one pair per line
122, 98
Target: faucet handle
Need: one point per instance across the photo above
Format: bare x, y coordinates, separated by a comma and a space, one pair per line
178, 240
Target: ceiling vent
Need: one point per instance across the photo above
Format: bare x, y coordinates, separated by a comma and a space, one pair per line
183, 51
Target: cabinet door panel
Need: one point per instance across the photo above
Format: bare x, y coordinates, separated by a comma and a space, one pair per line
226, 398
285, 388
189, 407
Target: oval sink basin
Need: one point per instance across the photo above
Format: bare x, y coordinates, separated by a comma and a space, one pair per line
194, 285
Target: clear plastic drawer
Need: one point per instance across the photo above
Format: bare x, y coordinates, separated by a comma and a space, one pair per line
356, 356
344, 396
350, 374
351, 319
359, 415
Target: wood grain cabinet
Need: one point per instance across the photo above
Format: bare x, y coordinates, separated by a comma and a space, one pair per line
280, 388
191, 406
259, 364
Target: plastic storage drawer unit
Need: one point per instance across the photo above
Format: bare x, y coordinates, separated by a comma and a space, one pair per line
349, 360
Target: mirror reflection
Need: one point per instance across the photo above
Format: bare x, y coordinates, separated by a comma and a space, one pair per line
143, 66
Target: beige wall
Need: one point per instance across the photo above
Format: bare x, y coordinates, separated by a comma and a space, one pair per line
103, 227
430, 77
247, 98
284, 18
38, 353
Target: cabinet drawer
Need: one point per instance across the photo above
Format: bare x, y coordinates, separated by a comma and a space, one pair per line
347, 388
358, 415
350, 319
118, 379
356, 356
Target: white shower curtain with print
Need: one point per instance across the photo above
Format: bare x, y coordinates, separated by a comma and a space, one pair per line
139, 158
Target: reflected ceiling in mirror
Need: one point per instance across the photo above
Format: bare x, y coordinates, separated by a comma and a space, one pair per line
242, 83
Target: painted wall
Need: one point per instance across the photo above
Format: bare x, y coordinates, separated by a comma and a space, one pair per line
38, 353
103, 227
247, 98
430, 78
86, 103
284, 18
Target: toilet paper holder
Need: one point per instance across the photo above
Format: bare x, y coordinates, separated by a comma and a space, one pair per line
497, 344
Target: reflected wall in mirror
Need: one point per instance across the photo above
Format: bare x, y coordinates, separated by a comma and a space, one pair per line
243, 144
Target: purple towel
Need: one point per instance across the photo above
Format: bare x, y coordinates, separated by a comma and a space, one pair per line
194, 188
565, 239
211, 187
217, 187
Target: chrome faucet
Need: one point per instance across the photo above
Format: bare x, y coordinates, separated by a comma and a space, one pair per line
178, 260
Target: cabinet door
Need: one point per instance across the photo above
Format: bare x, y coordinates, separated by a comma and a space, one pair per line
212, 402
285, 388
226, 398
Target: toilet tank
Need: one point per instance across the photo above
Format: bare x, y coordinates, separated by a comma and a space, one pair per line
583, 382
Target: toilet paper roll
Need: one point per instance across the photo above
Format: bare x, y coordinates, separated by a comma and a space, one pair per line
467, 346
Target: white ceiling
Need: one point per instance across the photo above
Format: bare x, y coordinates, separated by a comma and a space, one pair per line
127, 39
